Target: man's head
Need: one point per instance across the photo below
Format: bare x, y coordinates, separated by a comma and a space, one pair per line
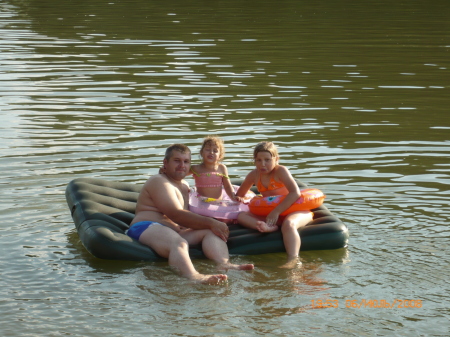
177, 161
176, 147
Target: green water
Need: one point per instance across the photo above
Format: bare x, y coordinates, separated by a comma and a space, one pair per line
355, 94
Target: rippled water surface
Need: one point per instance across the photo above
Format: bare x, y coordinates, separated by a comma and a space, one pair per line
355, 94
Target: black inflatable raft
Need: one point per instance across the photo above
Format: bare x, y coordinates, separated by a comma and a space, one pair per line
102, 211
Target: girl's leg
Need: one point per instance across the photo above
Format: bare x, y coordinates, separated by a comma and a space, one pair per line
289, 229
252, 221
247, 220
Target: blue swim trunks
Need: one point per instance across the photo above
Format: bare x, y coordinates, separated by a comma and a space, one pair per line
138, 228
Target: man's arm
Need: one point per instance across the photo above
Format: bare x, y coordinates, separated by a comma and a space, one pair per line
166, 198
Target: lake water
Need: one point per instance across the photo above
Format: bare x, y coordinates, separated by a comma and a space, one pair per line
354, 93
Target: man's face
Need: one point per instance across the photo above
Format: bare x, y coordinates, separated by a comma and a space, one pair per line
178, 165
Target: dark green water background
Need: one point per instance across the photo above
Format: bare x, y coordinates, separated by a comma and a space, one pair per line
354, 93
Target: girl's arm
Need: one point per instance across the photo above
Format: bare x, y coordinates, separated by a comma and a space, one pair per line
246, 184
226, 182
282, 174
192, 170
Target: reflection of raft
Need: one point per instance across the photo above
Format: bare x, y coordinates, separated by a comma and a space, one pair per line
102, 211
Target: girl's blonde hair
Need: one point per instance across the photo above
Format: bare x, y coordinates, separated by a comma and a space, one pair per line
214, 140
266, 147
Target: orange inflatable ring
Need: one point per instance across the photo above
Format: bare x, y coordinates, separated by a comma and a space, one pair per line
310, 198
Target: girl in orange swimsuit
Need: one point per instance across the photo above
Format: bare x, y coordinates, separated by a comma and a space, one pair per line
273, 179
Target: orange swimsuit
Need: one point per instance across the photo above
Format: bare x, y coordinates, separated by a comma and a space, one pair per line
273, 185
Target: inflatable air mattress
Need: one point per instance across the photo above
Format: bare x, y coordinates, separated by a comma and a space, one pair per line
102, 211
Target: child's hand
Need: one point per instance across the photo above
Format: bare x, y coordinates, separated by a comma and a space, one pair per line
238, 199
272, 218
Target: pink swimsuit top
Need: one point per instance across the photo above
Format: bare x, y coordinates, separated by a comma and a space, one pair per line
208, 179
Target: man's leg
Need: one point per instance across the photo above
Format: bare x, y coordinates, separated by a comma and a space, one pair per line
169, 244
213, 247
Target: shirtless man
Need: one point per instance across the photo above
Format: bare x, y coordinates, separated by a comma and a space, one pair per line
164, 223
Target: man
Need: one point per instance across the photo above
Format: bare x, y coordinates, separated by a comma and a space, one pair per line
164, 223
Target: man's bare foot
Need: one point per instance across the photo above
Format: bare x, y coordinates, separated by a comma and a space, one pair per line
265, 228
209, 279
292, 263
226, 266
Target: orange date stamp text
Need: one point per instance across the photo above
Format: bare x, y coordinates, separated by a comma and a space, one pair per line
366, 303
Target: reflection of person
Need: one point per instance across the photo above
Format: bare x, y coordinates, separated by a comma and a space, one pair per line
210, 175
163, 222
273, 179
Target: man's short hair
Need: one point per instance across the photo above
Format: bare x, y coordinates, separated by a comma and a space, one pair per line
176, 147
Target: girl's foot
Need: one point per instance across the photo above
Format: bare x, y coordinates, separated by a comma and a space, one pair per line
265, 228
292, 263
